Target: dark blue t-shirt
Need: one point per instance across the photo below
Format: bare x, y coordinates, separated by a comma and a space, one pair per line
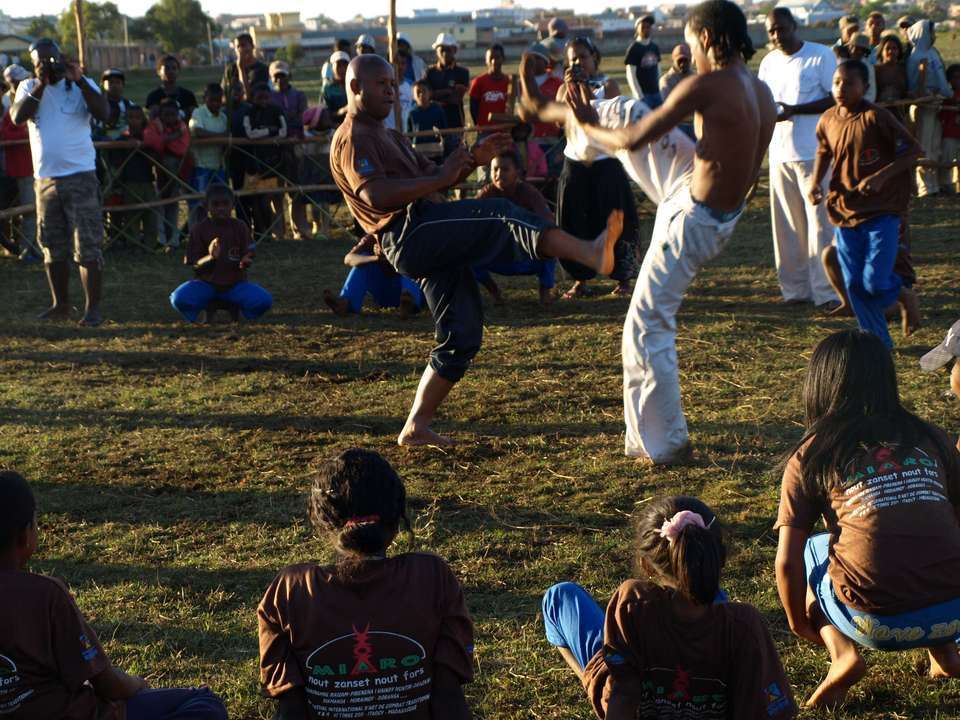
445, 79
645, 56
426, 119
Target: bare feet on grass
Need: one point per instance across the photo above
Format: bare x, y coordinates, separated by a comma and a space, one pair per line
841, 310
944, 661
847, 669
339, 305
412, 436
606, 241
909, 312
55, 313
91, 318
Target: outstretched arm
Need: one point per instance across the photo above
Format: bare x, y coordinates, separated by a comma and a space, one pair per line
532, 103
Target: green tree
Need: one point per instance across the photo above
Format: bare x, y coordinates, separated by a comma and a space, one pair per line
178, 23
43, 26
295, 53
102, 22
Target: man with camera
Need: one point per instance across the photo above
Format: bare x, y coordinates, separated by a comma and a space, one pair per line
58, 104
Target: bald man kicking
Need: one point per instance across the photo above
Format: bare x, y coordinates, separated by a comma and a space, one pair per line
394, 193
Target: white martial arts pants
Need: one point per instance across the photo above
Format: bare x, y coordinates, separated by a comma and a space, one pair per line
685, 236
800, 233
929, 133
949, 176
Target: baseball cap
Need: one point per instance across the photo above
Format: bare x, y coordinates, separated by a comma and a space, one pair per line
338, 56
279, 67
944, 352
403, 37
112, 72
365, 41
445, 40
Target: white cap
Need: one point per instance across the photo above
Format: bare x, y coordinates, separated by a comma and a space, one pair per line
445, 40
365, 40
406, 38
338, 56
944, 352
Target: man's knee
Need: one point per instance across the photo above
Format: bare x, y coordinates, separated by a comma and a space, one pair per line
556, 597
257, 302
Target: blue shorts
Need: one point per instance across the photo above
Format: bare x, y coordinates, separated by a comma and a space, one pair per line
927, 627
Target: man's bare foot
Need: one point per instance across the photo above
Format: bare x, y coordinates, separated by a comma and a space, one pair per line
623, 289
339, 305
909, 312
548, 296
55, 312
91, 318
683, 456
412, 436
408, 306
577, 290
606, 241
841, 310
847, 670
944, 661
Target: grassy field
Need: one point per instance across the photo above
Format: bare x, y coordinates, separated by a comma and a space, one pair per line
170, 462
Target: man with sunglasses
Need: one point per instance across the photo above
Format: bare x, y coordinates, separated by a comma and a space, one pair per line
57, 105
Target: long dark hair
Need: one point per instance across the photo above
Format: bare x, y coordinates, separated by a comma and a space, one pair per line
728, 25
692, 563
851, 403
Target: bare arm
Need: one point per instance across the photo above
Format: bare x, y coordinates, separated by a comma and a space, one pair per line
532, 103
632, 81
820, 165
814, 107
394, 193
26, 107
447, 701
792, 582
353, 259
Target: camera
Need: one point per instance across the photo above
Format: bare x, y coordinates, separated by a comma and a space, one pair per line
54, 68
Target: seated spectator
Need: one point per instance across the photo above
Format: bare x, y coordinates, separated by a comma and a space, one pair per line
507, 174
293, 102
891, 73
427, 116
950, 146
926, 76
532, 160
18, 167
220, 253
670, 644
169, 139
168, 69
264, 120
112, 81
886, 574
400, 620
326, 72
372, 273
53, 663
859, 49
137, 185
208, 121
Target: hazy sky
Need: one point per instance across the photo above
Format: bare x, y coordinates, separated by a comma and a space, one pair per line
311, 8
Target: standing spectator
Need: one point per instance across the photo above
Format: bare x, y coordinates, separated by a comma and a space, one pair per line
800, 76
680, 69
642, 64
59, 104
326, 72
903, 25
891, 74
18, 166
365, 45
293, 102
546, 134
859, 49
244, 73
950, 148
169, 138
849, 26
113, 82
138, 184
208, 121
556, 41
449, 81
169, 71
334, 94
263, 119
404, 94
875, 27
926, 76
416, 68
425, 116
489, 92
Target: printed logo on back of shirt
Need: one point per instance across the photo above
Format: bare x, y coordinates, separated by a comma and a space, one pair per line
364, 167
777, 701
12, 694
87, 650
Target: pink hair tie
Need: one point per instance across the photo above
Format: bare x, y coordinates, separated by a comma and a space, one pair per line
672, 528
363, 520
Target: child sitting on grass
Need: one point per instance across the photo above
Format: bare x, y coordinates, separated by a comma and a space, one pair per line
51, 662
220, 252
886, 574
670, 645
507, 174
872, 156
371, 273
371, 635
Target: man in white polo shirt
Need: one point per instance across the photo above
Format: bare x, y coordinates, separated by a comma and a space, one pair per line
800, 76
58, 105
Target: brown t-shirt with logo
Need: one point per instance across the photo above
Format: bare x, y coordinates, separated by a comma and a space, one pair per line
363, 150
48, 652
895, 544
723, 665
862, 143
234, 238
366, 647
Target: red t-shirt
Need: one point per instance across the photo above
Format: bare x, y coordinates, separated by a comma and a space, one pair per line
492, 95
549, 92
17, 158
950, 117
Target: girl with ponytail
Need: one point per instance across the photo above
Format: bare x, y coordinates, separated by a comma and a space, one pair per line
670, 644
369, 635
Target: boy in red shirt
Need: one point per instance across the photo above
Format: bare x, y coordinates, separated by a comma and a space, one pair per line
169, 138
489, 92
950, 146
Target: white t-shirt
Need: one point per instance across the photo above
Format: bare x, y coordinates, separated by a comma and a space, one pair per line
803, 77
578, 146
405, 98
60, 139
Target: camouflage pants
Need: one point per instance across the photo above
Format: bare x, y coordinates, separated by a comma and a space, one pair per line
70, 217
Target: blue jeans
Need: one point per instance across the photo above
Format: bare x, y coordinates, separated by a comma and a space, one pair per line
653, 100
545, 270
867, 254
191, 298
930, 626
385, 289
176, 704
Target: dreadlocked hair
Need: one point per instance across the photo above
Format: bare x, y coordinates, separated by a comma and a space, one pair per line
359, 499
691, 563
728, 29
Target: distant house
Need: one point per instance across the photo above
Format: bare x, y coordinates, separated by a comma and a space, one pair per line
423, 28
277, 30
812, 12
14, 45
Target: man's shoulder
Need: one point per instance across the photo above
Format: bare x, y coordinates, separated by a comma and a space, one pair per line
818, 50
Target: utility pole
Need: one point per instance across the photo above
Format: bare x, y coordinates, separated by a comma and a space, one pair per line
210, 43
81, 41
392, 39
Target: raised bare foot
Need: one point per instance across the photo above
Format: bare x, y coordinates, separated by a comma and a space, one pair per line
91, 318
607, 240
55, 312
844, 673
339, 305
412, 437
683, 456
548, 296
841, 310
909, 312
577, 290
408, 306
944, 661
